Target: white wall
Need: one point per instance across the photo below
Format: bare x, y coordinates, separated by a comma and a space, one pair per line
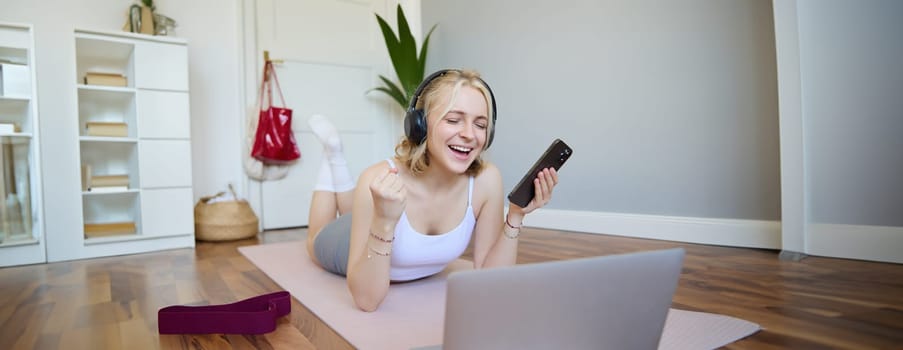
213, 30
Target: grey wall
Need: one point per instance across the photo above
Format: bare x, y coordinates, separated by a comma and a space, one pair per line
852, 83
671, 107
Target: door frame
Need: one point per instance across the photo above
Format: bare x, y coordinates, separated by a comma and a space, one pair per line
251, 63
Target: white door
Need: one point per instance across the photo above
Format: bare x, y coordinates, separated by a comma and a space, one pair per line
332, 53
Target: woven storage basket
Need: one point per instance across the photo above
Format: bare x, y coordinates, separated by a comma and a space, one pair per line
224, 221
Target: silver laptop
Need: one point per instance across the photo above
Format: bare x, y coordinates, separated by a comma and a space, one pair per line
609, 302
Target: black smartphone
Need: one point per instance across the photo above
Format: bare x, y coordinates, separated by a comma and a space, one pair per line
554, 157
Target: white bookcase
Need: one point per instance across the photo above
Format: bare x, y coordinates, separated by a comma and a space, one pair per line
154, 209
21, 224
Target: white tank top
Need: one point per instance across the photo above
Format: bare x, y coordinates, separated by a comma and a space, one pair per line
416, 255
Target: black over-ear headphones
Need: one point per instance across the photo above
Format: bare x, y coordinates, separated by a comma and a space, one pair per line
415, 118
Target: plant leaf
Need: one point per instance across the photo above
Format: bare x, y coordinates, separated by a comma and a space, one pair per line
421, 62
395, 90
398, 98
392, 43
407, 65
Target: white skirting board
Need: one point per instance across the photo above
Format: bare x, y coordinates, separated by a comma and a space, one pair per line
874, 243
877, 243
728, 232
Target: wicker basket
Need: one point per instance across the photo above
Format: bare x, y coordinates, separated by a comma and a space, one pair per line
224, 221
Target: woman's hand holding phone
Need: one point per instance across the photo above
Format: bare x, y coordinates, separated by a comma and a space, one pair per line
543, 185
535, 189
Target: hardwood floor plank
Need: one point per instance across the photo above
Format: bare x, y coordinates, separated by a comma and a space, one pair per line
112, 303
48, 341
101, 336
27, 324
287, 336
135, 336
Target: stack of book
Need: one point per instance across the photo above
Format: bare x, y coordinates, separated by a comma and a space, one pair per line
103, 183
108, 183
15, 78
106, 79
9, 128
109, 229
112, 129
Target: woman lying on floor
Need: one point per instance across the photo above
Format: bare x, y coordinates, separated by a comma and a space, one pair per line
411, 215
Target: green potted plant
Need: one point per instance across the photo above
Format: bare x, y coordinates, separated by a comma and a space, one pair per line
409, 65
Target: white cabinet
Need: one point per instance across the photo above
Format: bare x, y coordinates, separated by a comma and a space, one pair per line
21, 224
134, 144
164, 114
168, 211
161, 66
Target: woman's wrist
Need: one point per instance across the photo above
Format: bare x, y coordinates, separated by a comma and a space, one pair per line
371, 251
380, 238
510, 233
514, 220
378, 245
512, 227
382, 230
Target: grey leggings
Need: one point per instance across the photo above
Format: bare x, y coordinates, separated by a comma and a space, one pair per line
331, 245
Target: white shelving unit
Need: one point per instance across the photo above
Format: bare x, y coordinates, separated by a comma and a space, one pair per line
21, 225
154, 153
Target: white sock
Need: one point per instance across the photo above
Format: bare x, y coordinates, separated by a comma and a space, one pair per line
328, 136
341, 176
332, 149
324, 179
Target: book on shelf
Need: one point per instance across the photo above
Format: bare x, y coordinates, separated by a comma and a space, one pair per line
106, 79
109, 229
15, 79
113, 129
108, 180
9, 128
107, 189
86, 177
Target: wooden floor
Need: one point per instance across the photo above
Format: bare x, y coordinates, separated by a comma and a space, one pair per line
111, 303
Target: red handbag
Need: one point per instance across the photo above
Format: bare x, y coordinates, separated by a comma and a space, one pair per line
274, 142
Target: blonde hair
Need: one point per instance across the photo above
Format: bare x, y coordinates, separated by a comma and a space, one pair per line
415, 156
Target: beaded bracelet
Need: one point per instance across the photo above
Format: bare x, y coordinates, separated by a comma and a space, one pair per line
377, 252
382, 239
512, 226
505, 232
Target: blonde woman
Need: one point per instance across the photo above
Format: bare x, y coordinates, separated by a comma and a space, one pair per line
412, 214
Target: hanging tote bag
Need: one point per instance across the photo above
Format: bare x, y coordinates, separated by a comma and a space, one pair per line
274, 142
255, 168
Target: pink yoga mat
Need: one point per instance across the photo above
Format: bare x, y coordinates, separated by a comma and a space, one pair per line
412, 314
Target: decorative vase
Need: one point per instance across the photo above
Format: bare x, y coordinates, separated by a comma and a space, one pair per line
147, 20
